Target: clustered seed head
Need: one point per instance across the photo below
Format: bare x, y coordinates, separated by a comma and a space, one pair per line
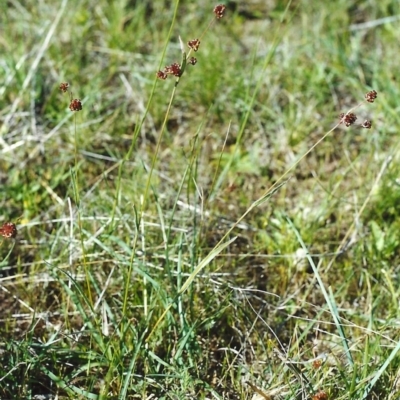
173, 69
162, 75
75, 105
367, 124
317, 363
8, 230
321, 395
371, 96
348, 119
194, 44
64, 87
219, 11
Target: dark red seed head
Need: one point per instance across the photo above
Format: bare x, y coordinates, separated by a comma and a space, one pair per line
366, 124
321, 395
161, 75
194, 44
348, 119
173, 69
75, 105
64, 86
219, 11
371, 96
8, 230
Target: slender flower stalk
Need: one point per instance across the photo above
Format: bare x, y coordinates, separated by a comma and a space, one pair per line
76, 105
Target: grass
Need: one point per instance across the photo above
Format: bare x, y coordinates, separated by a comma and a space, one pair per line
222, 237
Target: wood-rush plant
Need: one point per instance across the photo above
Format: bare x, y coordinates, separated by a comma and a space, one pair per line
76, 105
349, 118
177, 70
159, 309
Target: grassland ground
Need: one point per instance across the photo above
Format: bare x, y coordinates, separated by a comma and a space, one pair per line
220, 234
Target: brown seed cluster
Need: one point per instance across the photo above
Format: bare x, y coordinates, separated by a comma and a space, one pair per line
350, 118
64, 87
317, 363
371, 96
173, 69
176, 69
367, 124
162, 75
8, 230
219, 11
75, 105
194, 44
321, 395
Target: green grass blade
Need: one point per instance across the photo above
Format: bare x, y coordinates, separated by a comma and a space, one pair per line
330, 301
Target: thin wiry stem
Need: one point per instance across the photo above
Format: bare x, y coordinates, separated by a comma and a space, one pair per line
78, 205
